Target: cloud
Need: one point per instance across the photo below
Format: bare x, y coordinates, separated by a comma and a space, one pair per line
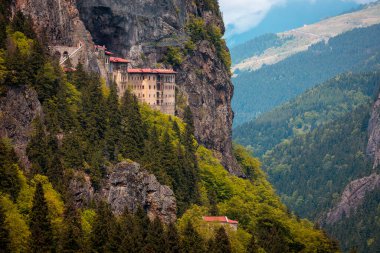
241, 15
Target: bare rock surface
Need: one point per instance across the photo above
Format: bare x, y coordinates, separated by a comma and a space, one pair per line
129, 186
373, 147
18, 108
142, 30
352, 197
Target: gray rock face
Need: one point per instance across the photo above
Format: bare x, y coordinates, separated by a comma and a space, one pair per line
353, 196
142, 30
58, 21
373, 147
18, 108
129, 186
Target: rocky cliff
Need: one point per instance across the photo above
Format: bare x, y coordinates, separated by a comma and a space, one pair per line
357, 190
58, 23
143, 30
19, 106
352, 197
128, 186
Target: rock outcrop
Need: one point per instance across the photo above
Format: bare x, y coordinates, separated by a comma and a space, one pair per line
128, 186
353, 196
143, 30
19, 106
58, 22
373, 147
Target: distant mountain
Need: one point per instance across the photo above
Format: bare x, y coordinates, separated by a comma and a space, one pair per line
314, 146
271, 85
293, 14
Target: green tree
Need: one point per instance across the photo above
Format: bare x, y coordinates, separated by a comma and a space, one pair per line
9, 181
252, 246
133, 234
4, 233
133, 129
192, 242
222, 243
72, 238
172, 239
41, 232
155, 238
102, 227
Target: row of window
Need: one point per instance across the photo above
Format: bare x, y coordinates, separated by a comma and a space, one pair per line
154, 95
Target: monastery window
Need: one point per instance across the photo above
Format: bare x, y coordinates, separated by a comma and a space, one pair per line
154, 87
143, 95
143, 86
150, 86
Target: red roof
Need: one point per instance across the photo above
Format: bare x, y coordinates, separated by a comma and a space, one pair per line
101, 47
221, 219
69, 69
151, 71
118, 60
108, 53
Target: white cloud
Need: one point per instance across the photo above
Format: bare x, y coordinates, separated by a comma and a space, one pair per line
241, 15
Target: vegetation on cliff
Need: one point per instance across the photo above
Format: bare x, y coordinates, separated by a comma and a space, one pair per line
85, 127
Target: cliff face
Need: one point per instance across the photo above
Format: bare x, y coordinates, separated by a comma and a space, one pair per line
18, 108
58, 22
129, 186
357, 190
142, 30
352, 197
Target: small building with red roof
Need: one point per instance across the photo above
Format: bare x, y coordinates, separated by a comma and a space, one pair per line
222, 220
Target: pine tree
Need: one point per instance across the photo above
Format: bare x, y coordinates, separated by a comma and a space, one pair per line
222, 243
40, 227
113, 132
213, 203
102, 227
155, 239
133, 234
252, 246
9, 181
172, 239
133, 129
72, 238
4, 233
192, 242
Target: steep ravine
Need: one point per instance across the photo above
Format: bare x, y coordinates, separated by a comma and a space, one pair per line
143, 30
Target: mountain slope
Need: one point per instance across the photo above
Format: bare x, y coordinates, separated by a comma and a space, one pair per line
314, 146
259, 91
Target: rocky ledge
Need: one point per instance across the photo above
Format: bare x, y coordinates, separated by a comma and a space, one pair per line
127, 185
352, 197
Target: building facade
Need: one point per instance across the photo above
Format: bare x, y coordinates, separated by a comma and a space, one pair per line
155, 87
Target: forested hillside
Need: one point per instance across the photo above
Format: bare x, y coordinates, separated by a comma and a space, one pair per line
314, 145
260, 91
303, 114
84, 128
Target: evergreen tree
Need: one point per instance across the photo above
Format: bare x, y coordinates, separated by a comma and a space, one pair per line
41, 232
133, 129
212, 197
155, 239
72, 238
133, 234
9, 181
222, 243
4, 233
102, 227
252, 246
23, 24
113, 132
192, 242
172, 239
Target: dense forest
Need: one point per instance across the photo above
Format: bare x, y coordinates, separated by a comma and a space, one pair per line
314, 145
260, 91
323, 103
86, 127
256, 46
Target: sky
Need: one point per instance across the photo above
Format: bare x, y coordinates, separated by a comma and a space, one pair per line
241, 16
